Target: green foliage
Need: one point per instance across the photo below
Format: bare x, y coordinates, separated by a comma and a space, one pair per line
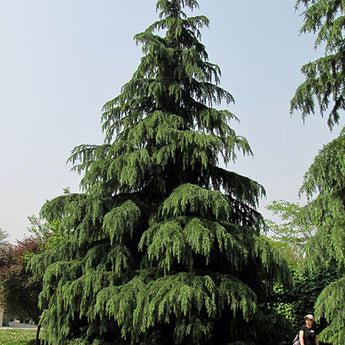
295, 238
330, 305
163, 246
307, 289
19, 287
324, 81
294, 230
303, 238
324, 184
325, 180
297, 301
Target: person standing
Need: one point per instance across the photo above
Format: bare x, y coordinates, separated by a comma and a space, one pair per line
308, 334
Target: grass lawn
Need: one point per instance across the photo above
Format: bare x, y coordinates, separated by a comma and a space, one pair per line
17, 337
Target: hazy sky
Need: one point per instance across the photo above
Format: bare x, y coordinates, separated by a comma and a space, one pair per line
62, 60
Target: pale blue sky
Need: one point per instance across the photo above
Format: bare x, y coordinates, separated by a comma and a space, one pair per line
62, 60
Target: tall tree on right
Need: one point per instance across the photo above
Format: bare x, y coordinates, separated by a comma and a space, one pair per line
324, 78
324, 182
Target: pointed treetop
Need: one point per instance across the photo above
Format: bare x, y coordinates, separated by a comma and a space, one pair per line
173, 7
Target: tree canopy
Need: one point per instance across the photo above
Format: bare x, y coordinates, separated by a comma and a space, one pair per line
163, 245
325, 185
324, 181
20, 288
324, 78
317, 231
295, 230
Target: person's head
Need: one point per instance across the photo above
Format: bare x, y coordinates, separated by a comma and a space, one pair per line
309, 319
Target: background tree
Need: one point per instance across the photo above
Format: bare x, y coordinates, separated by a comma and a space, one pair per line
3, 237
291, 234
5, 250
47, 235
5, 260
320, 280
163, 246
20, 288
324, 78
18, 284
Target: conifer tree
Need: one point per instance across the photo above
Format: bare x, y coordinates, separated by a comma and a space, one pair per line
324, 78
325, 184
163, 246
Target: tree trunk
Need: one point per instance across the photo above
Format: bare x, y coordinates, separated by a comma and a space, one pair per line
38, 335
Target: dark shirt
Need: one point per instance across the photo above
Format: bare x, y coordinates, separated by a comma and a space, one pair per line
309, 335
